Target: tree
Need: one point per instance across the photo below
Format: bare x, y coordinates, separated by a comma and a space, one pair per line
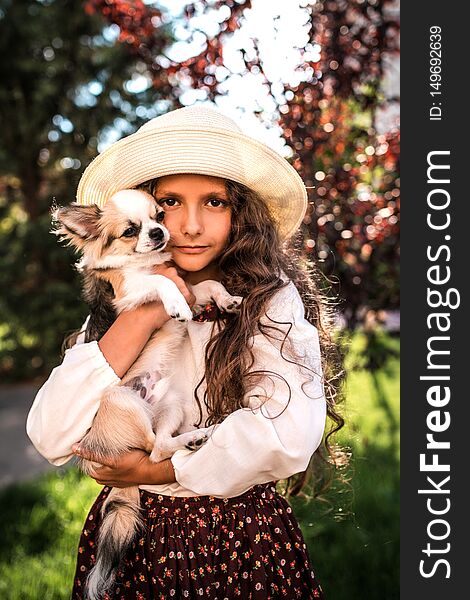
67, 84
66, 79
81, 73
352, 226
78, 72
328, 121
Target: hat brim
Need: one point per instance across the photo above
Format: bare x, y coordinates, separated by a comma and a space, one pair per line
146, 155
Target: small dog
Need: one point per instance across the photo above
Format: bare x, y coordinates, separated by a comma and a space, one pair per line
120, 244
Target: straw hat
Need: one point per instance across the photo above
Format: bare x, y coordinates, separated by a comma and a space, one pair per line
203, 141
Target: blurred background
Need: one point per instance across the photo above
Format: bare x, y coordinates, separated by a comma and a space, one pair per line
319, 83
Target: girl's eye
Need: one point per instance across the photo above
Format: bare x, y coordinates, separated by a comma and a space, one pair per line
220, 202
171, 202
167, 201
130, 231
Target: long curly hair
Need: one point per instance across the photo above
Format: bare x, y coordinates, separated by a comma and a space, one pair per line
251, 266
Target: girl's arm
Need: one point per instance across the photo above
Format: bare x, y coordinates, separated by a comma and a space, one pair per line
127, 336
65, 406
274, 441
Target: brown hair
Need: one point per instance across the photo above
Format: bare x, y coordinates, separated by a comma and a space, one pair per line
251, 267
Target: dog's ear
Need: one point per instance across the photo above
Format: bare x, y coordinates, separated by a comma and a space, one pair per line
76, 223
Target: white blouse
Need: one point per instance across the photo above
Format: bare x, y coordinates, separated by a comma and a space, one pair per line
252, 445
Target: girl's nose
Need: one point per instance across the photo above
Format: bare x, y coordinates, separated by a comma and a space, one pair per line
192, 223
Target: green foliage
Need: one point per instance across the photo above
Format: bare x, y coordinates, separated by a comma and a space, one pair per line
67, 89
40, 300
352, 538
64, 85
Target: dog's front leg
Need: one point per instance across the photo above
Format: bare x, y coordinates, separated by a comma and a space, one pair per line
191, 440
169, 414
208, 290
141, 288
166, 445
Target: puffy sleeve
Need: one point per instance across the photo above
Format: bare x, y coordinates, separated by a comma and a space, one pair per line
64, 407
276, 435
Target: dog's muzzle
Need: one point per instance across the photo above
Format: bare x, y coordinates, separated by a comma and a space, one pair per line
157, 234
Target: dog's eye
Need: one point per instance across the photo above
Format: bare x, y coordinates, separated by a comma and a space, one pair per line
130, 231
160, 217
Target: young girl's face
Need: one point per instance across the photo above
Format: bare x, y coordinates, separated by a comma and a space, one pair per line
198, 217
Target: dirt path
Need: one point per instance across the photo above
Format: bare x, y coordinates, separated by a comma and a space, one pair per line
19, 460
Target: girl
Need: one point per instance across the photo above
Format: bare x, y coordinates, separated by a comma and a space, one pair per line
215, 525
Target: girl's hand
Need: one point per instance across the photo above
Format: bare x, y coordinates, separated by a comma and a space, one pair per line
127, 470
130, 469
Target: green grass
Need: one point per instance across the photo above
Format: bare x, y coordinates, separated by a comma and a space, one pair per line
354, 546
40, 528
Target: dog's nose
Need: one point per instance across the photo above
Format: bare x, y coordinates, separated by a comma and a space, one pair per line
156, 234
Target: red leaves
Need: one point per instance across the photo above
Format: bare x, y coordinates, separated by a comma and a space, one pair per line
135, 19
141, 30
355, 215
356, 211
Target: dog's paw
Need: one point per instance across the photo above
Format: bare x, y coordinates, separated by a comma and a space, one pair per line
231, 304
197, 441
181, 318
179, 311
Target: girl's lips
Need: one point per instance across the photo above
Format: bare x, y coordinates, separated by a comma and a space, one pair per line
188, 250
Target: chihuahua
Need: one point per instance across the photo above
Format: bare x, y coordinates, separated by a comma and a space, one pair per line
120, 244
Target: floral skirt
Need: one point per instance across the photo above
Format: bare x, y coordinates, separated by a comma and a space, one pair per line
248, 547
